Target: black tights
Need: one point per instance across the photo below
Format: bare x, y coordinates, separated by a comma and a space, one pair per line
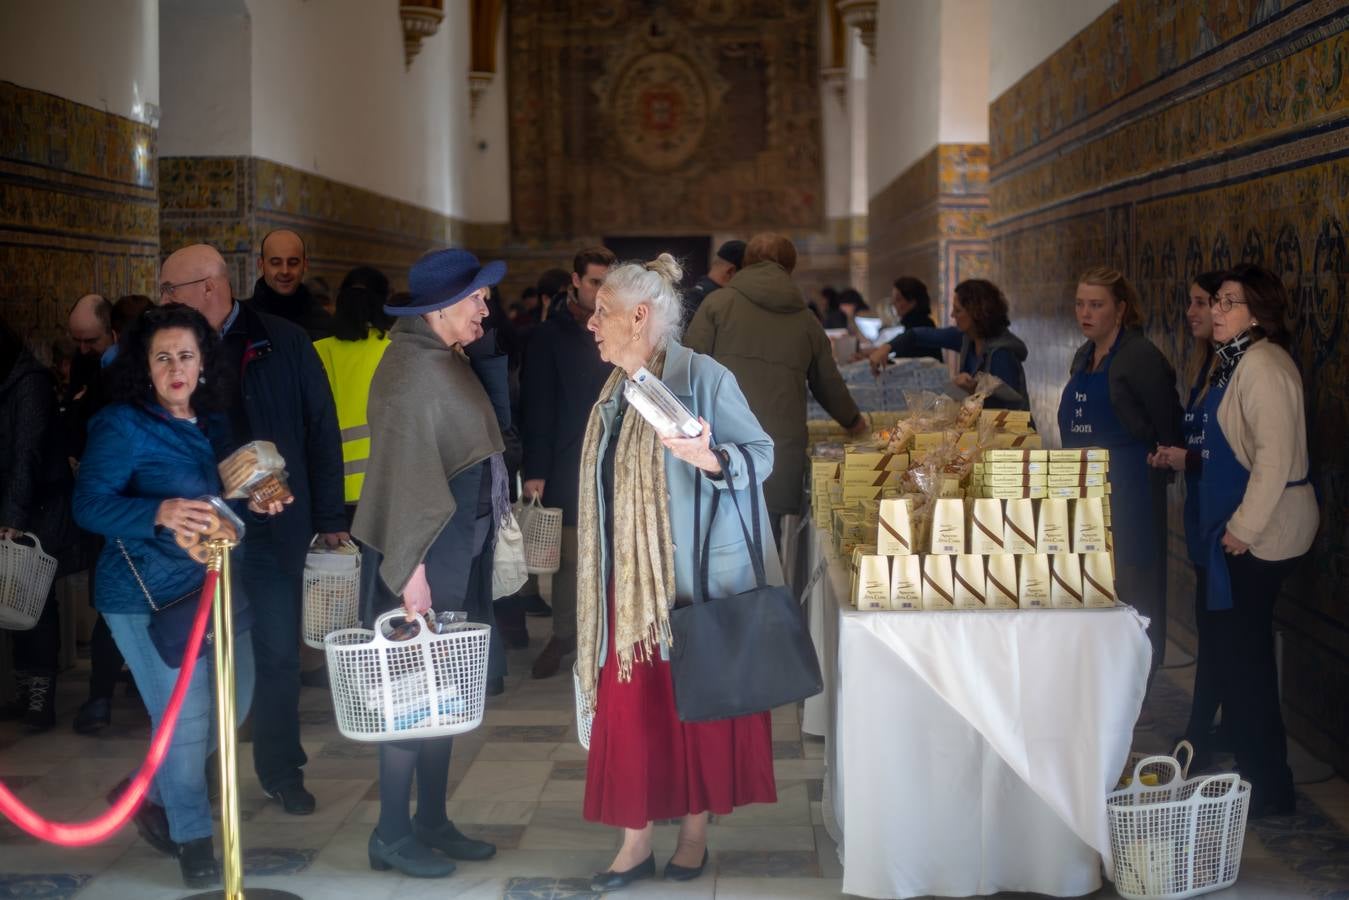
429, 760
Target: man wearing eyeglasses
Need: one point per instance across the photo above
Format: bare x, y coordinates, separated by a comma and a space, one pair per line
277, 392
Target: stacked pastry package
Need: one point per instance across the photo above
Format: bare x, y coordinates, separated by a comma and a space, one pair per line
957, 507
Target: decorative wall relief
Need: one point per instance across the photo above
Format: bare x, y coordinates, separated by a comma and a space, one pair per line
687, 116
1169, 139
78, 209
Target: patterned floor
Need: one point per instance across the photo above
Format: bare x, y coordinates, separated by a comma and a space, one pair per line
518, 781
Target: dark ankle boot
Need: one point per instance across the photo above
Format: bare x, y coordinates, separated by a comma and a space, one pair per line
197, 861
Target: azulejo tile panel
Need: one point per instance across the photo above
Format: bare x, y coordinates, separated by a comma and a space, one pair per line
78, 208
931, 223
1251, 165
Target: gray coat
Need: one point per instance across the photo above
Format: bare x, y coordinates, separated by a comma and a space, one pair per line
709, 390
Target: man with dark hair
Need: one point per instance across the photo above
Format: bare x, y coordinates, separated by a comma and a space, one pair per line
281, 290
277, 392
562, 378
91, 328
729, 260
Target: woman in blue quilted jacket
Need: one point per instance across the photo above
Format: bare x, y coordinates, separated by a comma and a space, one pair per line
150, 455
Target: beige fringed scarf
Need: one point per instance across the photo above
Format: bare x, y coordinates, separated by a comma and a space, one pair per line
643, 547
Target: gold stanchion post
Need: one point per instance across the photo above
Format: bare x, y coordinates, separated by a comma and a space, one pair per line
232, 861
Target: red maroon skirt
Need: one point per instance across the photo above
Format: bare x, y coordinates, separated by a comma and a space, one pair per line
645, 764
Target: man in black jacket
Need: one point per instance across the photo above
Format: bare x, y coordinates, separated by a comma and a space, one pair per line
279, 393
281, 290
562, 378
729, 260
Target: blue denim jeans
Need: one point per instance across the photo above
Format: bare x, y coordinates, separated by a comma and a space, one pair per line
180, 785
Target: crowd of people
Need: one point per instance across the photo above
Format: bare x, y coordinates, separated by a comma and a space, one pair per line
406, 418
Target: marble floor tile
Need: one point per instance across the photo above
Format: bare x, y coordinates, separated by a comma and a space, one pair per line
491, 812
570, 751
38, 886
733, 887
336, 799
560, 791
792, 808
768, 863
548, 837
464, 884
504, 781
509, 751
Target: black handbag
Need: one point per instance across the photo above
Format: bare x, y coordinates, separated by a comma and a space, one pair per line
171, 623
733, 656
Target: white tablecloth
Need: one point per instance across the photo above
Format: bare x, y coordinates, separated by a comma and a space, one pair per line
971, 752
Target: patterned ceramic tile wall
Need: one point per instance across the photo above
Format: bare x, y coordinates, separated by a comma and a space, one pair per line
78, 209
232, 202
931, 222
1168, 139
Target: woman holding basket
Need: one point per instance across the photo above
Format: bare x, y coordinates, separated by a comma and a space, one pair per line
636, 522
435, 486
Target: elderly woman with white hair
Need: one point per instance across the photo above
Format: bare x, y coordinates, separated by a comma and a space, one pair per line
637, 518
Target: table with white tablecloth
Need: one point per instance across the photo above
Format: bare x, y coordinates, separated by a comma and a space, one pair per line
970, 752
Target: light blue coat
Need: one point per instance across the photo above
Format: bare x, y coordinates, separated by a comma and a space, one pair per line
709, 390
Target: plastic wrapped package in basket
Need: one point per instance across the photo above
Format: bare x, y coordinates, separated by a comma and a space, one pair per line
26, 573
332, 591
541, 527
1180, 838
584, 721
406, 680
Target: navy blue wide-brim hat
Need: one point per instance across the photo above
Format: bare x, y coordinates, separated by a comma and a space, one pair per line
445, 277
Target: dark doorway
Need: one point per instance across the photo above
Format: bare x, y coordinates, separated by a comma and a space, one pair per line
694, 252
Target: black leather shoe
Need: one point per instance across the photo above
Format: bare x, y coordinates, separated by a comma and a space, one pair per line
616, 881
454, 843
151, 822
94, 716
294, 799
409, 856
684, 873
198, 864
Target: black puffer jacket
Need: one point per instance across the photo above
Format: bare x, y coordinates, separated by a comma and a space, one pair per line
35, 478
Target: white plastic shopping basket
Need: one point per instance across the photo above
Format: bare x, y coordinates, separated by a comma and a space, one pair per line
429, 685
1180, 838
542, 529
26, 574
332, 591
583, 721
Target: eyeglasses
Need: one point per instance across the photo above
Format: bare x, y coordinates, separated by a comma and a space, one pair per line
1225, 302
166, 289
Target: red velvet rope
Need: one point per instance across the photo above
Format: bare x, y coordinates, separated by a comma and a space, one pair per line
83, 834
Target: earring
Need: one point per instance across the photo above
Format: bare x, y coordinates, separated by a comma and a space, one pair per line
201, 379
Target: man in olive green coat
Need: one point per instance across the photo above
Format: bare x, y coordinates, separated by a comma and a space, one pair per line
760, 328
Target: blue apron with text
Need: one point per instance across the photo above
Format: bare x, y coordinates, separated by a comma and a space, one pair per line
1222, 486
1087, 419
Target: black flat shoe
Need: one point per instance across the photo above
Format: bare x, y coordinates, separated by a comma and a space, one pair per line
675, 872
197, 861
294, 799
409, 856
94, 716
616, 881
454, 843
151, 822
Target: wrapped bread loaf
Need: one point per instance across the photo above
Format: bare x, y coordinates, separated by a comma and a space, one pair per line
256, 471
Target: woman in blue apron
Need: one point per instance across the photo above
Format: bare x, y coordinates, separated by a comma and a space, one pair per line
1256, 515
1207, 688
1122, 396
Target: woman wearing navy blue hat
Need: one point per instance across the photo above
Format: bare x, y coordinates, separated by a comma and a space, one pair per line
434, 488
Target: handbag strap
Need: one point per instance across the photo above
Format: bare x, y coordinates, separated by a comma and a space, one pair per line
145, 590
702, 543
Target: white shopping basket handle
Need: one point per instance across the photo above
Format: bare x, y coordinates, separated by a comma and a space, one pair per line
1167, 761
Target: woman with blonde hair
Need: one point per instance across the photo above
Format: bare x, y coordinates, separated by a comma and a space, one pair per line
644, 501
1121, 395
